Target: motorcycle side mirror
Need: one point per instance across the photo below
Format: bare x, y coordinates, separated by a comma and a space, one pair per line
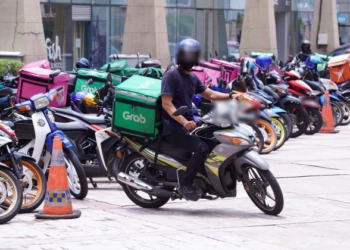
109, 78
90, 81
145, 72
180, 111
54, 73
108, 68
59, 89
216, 53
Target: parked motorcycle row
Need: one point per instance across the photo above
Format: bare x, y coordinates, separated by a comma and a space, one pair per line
109, 120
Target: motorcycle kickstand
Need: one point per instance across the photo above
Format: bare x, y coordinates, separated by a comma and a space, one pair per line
94, 184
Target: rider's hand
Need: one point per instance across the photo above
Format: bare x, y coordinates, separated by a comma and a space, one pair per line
189, 125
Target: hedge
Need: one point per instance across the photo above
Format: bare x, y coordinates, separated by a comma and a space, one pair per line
14, 66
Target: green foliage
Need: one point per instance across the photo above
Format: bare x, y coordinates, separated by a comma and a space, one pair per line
14, 66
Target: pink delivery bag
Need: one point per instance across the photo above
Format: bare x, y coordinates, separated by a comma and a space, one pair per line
36, 80
213, 71
231, 70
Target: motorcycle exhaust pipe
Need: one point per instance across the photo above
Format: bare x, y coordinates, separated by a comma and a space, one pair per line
147, 188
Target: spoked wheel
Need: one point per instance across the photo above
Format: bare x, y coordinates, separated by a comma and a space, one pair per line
338, 113
315, 123
33, 185
270, 138
299, 117
135, 165
77, 181
259, 137
346, 111
280, 132
10, 196
264, 190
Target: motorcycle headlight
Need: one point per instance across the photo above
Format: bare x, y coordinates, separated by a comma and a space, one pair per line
41, 102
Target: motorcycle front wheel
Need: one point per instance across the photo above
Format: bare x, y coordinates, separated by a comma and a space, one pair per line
280, 132
77, 181
316, 121
287, 122
33, 185
299, 117
346, 111
263, 190
269, 133
10, 196
338, 113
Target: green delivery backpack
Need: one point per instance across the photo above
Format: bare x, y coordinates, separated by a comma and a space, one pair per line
137, 107
116, 67
99, 79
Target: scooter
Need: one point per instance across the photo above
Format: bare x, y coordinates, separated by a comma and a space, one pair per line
36, 135
151, 177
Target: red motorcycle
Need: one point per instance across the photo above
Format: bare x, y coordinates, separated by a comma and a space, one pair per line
309, 100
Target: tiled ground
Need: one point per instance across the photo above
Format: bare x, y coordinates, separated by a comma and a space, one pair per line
313, 172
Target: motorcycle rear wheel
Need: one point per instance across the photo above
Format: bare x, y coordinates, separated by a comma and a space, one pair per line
11, 188
287, 124
259, 139
256, 183
316, 121
134, 165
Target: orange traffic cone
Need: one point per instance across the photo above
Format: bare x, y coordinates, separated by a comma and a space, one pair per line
58, 204
327, 115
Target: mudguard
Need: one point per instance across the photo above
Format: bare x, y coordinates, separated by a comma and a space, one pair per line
341, 97
264, 116
278, 110
252, 159
271, 113
288, 99
334, 98
65, 141
347, 91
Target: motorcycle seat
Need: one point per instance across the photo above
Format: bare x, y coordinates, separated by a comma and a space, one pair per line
317, 93
71, 126
315, 85
88, 118
170, 150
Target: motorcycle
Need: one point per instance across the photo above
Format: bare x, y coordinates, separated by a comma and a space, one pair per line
87, 134
35, 138
28, 173
150, 177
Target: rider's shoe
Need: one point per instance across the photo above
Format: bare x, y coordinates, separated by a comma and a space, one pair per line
189, 192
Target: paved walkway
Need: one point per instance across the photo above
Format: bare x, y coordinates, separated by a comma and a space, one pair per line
313, 172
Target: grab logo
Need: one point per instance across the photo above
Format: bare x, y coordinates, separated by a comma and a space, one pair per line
136, 118
146, 84
88, 89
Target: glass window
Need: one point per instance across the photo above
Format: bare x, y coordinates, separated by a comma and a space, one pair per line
300, 29
57, 22
101, 1
60, 1
82, 1
44, 1
119, 2
222, 4
237, 4
171, 20
180, 3
100, 35
118, 15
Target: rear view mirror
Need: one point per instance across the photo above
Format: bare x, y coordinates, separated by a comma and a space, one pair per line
54, 73
59, 89
145, 72
108, 68
109, 78
89, 81
180, 111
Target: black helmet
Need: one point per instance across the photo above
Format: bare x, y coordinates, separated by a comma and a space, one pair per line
83, 63
188, 53
154, 63
306, 46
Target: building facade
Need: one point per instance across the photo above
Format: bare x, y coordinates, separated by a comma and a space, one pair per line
95, 28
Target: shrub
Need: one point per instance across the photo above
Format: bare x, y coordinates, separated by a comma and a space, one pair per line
14, 66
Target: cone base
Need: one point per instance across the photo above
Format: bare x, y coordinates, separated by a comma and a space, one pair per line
74, 215
329, 132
